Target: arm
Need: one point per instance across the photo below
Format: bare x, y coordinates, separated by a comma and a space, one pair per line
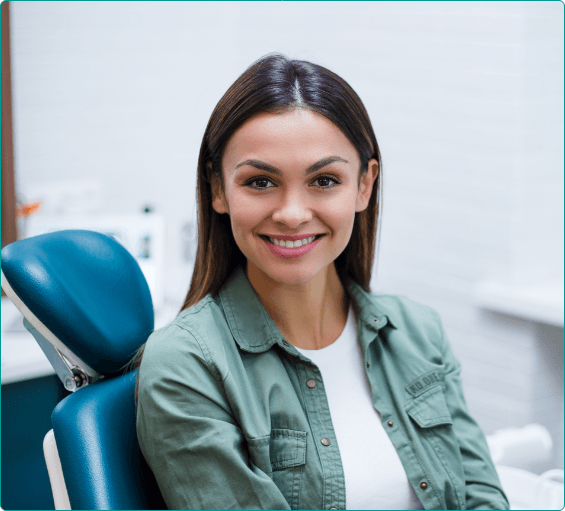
188, 434
483, 489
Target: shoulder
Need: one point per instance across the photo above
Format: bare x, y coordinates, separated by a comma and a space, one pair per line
404, 311
399, 309
420, 322
195, 336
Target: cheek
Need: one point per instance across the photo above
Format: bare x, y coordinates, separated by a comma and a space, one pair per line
245, 215
341, 214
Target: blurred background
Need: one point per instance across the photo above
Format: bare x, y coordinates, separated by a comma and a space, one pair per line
104, 108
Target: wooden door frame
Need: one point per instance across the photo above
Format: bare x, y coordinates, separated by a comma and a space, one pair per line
9, 225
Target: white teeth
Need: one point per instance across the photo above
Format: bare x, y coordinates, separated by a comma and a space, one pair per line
292, 244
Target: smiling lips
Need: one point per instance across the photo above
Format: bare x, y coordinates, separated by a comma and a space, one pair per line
289, 248
291, 241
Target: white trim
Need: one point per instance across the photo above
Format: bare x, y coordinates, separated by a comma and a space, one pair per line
55, 471
43, 330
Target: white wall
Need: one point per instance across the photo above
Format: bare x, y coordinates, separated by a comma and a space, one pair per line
466, 99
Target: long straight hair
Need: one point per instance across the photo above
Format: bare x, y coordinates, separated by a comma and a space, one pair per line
275, 84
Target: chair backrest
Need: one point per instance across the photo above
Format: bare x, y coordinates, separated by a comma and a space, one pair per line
86, 298
100, 457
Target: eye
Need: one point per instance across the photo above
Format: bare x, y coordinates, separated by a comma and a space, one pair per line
326, 181
259, 183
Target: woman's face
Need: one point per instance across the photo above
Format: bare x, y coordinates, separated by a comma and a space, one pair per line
293, 174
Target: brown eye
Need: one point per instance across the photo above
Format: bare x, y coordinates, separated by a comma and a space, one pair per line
326, 182
259, 182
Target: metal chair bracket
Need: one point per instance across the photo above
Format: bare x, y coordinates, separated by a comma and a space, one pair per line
72, 376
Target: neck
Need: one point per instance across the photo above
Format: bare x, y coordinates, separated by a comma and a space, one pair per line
310, 315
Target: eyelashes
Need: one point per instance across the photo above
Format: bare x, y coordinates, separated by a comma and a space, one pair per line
252, 183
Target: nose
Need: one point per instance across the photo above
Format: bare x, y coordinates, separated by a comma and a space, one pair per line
292, 211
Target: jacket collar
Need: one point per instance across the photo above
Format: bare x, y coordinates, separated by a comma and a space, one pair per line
243, 308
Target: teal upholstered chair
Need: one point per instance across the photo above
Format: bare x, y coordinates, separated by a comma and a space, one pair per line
86, 301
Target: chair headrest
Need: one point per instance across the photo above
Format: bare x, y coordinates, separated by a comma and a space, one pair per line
87, 289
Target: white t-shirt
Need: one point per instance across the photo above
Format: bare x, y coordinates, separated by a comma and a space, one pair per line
374, 475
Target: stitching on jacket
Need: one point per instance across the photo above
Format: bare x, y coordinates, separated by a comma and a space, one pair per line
299, 444
297, 485
315, 422
324, 454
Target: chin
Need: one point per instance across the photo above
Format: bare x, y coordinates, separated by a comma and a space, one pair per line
290, 276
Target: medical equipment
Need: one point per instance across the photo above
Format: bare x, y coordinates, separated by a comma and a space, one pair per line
88, 305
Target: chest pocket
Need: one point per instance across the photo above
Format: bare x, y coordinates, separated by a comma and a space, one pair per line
282, 456
430, 409
431, 414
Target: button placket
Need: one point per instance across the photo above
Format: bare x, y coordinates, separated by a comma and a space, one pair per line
318, 412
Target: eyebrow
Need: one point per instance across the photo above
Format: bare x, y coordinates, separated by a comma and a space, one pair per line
261, 165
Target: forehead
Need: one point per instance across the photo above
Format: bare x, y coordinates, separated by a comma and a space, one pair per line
294, 137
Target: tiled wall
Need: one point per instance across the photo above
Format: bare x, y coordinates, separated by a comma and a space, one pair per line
466, 99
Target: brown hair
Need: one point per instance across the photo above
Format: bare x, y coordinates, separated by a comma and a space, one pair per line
275, 84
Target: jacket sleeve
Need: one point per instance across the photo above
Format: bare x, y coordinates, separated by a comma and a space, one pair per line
187, 432
483, 489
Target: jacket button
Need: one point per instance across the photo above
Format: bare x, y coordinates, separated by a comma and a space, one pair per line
285, 342
423, 485
375, 320
390, 424
325, 441
311, 383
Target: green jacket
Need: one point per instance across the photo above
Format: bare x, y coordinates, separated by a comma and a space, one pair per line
226, 421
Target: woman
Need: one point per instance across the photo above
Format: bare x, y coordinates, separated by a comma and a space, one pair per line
284, 383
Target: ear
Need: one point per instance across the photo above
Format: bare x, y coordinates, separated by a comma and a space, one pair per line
218, 200
366, 185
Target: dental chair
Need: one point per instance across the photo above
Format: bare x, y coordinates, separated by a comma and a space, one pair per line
86, 302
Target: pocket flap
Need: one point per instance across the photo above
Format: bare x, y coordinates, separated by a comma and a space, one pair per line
283, 448
288, 448
429, 409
